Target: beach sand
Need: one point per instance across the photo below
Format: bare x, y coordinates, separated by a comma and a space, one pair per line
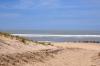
15, 53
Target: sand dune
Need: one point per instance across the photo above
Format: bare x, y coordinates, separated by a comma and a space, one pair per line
15, 53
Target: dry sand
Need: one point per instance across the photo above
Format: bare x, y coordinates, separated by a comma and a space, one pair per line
15, 53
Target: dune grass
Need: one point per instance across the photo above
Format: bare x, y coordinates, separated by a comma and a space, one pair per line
43, 43
23, 39
8, 35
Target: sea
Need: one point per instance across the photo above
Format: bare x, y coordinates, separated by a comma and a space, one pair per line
57, 35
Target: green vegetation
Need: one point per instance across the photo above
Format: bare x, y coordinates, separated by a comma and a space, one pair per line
22, 39
5, 34
8, 35
43, 43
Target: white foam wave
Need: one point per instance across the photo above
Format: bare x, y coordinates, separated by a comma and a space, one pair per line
50, 35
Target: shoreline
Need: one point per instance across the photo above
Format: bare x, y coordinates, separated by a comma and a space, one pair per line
14, 52
61, 38
54, 35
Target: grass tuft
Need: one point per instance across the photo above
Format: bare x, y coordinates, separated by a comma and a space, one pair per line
22, 39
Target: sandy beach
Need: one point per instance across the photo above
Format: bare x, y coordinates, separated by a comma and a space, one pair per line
75, 54
49, 32
16, 53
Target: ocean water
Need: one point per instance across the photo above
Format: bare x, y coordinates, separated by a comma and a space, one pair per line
56, 35
63, 39
60, 38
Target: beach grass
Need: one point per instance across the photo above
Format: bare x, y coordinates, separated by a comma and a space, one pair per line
8, 35
23, 39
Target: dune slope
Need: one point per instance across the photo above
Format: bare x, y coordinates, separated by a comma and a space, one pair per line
16, 53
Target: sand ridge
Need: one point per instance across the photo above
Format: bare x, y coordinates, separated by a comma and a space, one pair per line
15, 53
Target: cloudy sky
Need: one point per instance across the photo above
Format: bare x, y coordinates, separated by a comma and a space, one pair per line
50, 14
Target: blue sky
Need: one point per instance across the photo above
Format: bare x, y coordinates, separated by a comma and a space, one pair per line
50, 14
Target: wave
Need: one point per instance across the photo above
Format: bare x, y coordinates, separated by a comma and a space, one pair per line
52, 35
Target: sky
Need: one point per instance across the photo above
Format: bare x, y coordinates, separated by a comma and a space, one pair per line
50, 14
